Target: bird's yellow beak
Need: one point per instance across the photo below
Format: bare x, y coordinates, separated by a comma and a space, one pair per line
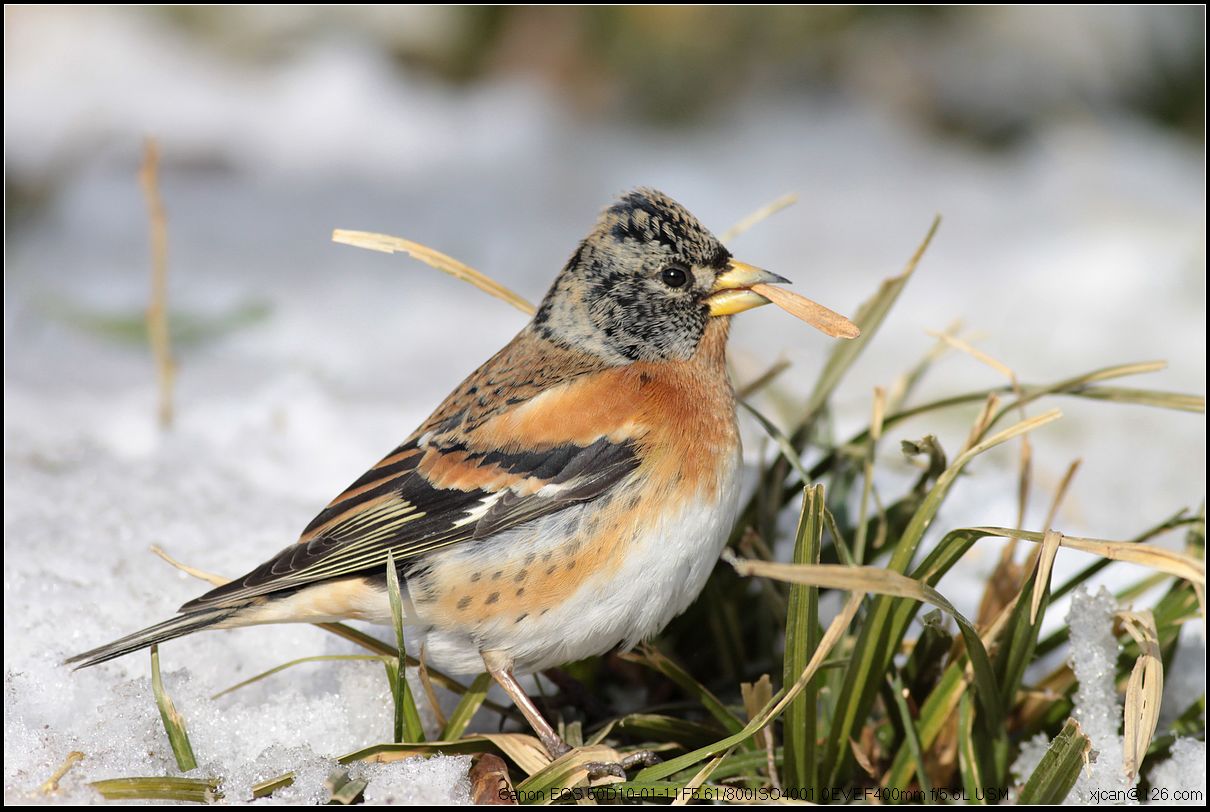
731, 293
734, 292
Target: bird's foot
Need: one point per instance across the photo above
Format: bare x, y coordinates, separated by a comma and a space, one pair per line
639, 758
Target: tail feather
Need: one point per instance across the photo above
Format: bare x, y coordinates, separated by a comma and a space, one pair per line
169, 629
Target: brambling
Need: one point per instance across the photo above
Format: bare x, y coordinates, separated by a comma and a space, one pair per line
571, 496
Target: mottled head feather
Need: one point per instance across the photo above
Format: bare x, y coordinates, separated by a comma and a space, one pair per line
611, 298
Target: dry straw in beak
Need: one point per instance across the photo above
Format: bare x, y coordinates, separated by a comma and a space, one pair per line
813, 313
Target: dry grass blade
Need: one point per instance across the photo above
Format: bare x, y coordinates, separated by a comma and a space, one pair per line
385, 753
983, 420
1046, 554
866, 580
963, 346
1046, 560
863, 759
1061, 492
201, 575
699, 778
1143, 690
757, 695
467, 707
174, 723
435, 259
812, 312
1161, 560
524, 750
905, 382
426, 682
51, 785
157, 309
760, 215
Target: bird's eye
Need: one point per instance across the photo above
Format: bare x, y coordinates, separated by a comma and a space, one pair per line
674, 276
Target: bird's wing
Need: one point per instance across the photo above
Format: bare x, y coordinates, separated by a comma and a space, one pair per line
454, 483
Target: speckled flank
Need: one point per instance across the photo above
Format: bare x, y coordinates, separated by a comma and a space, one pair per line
518, 588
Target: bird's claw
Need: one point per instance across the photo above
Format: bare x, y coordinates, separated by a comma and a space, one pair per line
639, 758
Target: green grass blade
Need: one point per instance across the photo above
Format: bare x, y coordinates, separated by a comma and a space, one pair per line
1147, 397
800, 765
1056, 774
656, 660
468, 706
266, 788
788, 452
159, 788
1019, 640
869, 318
910, 734
174, 723
318, 658
970, 763
407, 718
654, 727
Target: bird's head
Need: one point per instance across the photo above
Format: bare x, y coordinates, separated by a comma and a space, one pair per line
645, 283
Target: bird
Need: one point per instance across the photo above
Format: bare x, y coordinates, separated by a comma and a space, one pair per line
570, 497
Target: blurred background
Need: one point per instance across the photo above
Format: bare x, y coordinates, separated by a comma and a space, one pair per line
1064, 148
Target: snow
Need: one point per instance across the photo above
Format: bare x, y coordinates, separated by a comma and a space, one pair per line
1181, 778
1098, 709
1081, 248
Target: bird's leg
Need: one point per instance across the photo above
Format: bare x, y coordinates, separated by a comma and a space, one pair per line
501, 669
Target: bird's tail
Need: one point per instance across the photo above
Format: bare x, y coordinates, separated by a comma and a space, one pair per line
169, 629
